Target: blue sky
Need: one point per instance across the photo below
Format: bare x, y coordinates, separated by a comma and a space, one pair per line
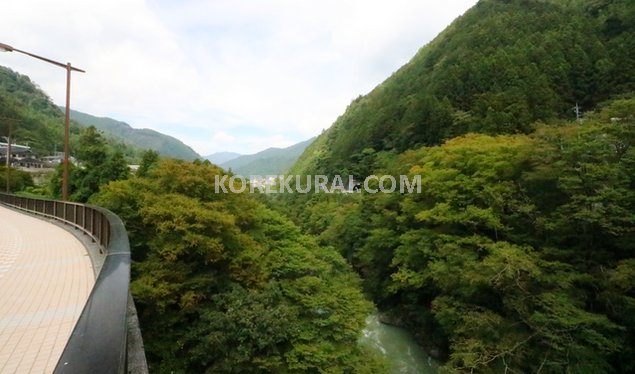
235, 76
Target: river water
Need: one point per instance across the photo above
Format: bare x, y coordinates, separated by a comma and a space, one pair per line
398, 346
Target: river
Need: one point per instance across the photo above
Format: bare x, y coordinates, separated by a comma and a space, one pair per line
398, 346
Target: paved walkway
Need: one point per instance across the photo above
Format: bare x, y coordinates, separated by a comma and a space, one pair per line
45, 279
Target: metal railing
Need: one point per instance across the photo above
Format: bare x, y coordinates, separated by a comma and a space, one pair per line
98, 343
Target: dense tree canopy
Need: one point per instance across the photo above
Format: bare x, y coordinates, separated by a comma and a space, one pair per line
518, 253
18, 179
224, 284
96, 165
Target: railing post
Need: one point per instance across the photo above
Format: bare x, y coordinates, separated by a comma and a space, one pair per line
92, 213
98, 231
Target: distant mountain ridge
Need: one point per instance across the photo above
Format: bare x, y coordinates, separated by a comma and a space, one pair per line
271, 161
38, 122
165, 145
220, 157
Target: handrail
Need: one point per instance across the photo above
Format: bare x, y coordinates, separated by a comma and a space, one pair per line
98, 343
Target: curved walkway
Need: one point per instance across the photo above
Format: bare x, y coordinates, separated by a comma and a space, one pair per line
45, 279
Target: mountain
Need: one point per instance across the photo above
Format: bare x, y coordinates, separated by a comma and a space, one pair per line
36, 121
220, 157
498, 69
517, 253
165, 145
34, 118
271, 161
40, 123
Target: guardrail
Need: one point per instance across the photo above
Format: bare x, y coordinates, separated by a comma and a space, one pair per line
98, 343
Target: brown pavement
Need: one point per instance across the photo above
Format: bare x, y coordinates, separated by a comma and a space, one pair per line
45, 278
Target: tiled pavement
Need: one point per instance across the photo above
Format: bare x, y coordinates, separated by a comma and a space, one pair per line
45, 279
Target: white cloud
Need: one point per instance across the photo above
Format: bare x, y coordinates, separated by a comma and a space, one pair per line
197, 68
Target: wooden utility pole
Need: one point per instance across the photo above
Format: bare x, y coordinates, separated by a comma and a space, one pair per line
9, 121
8, 170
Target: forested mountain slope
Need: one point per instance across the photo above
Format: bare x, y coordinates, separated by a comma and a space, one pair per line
518, 255
35, 119
38, 122
498, 69
165, 145
271, 161
220, 157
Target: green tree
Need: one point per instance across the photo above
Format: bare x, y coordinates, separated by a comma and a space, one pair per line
91, 148
95, 167
149, 159
18, 180
115, 168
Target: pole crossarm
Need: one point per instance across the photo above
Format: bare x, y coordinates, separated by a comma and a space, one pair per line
9, 48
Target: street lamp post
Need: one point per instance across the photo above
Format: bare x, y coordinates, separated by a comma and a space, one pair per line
69, 68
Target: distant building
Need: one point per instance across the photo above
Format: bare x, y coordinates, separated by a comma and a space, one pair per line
18, 152
22, 157
53, 160
56, 159
16, 149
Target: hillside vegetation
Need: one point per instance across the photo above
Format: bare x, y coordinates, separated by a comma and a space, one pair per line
518, 255
38, 122
34, 118
220, 157
518, 252
498, 69
165, 145
226, 285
